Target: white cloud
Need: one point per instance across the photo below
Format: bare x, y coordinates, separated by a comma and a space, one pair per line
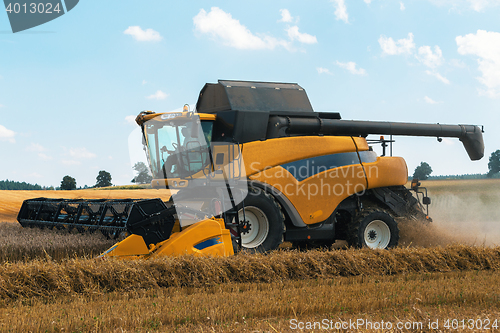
2, 106
81, 153
70, 162
425, 54
130, 119
486, 46
438, 76
294, 34
402, 46
340, 10
351, 67
448, 141
457, 63
285, 16
430, 100
44, 157
477, 5
322, 70
368, 1
35, 147
429, 58
39, 149
148, 35
144, 82
7, 134
223, 27
34, 175
402, 6
158, 95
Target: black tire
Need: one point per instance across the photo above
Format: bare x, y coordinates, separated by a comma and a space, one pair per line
375, 229
263, 228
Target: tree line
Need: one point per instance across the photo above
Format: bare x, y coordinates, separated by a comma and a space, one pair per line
13, 185
424, 170
103, 179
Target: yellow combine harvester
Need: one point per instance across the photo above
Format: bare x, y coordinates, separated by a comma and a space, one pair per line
255, 166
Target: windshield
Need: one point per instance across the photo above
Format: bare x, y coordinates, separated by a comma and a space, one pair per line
209, 176
178, 147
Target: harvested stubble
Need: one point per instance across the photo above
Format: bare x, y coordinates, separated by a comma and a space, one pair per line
45, 278
265, 307
18, 244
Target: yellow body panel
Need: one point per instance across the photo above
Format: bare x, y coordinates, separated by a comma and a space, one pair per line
386, 171
189, 241
258, 155
185, 242
316, 197
131, 247
360, 143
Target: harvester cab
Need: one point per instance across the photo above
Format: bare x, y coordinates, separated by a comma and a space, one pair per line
207, 181
182, 154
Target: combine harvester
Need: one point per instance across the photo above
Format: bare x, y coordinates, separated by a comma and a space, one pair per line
255, 166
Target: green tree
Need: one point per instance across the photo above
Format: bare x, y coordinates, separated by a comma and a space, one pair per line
494, 164
103, 179
68, 183
423, 171
143, 175
13, 185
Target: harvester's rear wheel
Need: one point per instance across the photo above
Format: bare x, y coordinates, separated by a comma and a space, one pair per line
374, 229
262, 225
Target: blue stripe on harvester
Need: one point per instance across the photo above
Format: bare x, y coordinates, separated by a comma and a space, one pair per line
207, 243
308, 167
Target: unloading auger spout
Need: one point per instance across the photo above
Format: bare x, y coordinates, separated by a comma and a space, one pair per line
470, 135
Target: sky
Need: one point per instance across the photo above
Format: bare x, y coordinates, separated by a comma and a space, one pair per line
71, 88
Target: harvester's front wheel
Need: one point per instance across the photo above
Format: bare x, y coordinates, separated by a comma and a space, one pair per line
262, 223
374, 229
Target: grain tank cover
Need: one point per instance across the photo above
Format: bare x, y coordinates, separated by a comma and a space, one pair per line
252, 96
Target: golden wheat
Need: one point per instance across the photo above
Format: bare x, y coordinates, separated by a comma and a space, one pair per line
22, 244
46, 278
266, 307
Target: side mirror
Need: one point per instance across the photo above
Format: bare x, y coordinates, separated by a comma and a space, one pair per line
426, 200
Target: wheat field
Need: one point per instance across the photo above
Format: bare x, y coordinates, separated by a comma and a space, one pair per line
443, 275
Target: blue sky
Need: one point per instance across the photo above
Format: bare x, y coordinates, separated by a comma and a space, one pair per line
69, 88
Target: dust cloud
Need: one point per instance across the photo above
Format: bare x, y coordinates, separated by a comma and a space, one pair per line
468, 218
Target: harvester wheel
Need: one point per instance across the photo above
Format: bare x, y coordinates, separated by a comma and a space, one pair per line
374, 229
263, 226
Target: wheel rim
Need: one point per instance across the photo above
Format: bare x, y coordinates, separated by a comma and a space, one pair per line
377, 235
257, 227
